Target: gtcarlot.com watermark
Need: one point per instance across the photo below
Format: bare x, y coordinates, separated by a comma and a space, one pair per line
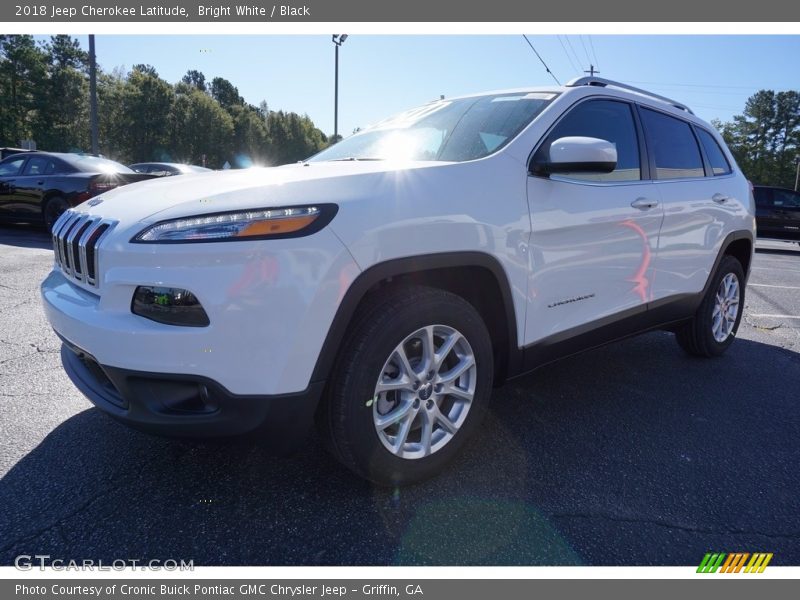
28, 562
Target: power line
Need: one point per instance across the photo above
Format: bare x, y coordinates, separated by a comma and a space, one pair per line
591, 45
544, 64
577, 60
586, 52
571, 62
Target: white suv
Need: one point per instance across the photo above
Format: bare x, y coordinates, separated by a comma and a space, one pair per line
385, 285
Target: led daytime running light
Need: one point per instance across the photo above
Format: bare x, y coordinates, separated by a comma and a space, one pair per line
243, 224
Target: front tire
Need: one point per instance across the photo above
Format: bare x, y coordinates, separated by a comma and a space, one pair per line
714, 326
410, 386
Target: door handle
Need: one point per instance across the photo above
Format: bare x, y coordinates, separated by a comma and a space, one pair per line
644, 203
720, 198
40, 182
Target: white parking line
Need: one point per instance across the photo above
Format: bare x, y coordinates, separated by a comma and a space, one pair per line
781, 287
775, 269
765, 315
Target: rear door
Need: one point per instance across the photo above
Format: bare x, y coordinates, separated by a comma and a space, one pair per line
703, 199
594, 236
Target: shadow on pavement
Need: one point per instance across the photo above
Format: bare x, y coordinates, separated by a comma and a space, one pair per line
25, 236
633, 454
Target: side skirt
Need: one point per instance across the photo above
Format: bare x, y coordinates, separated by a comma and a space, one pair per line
667, 313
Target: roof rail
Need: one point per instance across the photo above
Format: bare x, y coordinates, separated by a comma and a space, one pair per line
599, 81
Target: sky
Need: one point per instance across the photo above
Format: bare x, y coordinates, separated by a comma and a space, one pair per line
380, 75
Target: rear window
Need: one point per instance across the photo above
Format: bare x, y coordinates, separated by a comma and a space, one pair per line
719, 164
674, 146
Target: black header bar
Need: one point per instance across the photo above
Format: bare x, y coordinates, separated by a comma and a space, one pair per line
419, 11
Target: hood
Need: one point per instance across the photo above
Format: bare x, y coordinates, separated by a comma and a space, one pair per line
297, 184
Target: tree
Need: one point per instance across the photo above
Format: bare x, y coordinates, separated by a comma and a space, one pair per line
251, 144
293, 137
200, 127
62, 119
195, 79
224, 92
146, 103
23, 71
111, 113
44, 96
765, 138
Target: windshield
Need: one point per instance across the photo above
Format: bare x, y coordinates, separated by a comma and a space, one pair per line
447, 130
95, 164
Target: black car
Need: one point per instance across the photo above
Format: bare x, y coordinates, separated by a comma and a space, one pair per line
38, 186
162, 169
777, 213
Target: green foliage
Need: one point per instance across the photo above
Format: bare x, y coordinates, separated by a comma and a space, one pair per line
62, 120
765, 138
44, 96
224, 92
23, 72
200, 126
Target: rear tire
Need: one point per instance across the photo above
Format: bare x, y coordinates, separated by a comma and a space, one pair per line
714, 326
410, 386
53, 209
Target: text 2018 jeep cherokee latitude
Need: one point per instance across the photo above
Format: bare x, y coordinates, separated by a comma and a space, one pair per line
384, 285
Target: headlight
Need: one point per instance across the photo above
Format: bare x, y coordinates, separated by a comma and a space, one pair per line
253, 224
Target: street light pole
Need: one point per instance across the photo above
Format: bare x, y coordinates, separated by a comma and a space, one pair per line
338, 40
797, 175
93, 97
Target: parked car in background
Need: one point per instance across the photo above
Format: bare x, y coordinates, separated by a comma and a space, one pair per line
777, 213
162, 169
39, 186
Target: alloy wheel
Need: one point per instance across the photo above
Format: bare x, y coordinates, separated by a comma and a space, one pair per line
424, 392
726, 308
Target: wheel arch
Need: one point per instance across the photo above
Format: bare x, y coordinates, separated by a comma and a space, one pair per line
477, 277
738, 244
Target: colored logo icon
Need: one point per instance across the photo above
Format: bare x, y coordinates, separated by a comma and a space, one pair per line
734, 562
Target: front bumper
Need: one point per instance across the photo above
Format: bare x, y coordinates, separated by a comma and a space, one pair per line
190, 405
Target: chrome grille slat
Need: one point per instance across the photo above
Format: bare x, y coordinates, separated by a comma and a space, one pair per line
73, 231
94, 223
76, 241
72, 239
57, 226
68, 226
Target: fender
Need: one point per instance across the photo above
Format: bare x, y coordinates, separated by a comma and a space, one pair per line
408, 267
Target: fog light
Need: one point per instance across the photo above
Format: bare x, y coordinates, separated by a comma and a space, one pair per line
171, 306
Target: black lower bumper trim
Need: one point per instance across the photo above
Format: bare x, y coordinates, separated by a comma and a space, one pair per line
190, 405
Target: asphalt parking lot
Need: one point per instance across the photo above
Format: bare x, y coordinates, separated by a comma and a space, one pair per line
634, 454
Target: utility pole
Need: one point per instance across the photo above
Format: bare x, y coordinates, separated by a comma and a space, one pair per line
591, 71
797, 175
93, 96
338, 40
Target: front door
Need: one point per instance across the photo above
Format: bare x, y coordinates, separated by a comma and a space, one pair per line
594, 236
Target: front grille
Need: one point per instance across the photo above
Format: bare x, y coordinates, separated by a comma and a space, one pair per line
76, 241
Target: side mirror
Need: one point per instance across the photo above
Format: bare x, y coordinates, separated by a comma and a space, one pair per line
578, 155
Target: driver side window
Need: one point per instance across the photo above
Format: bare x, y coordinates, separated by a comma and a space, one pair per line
606, 120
